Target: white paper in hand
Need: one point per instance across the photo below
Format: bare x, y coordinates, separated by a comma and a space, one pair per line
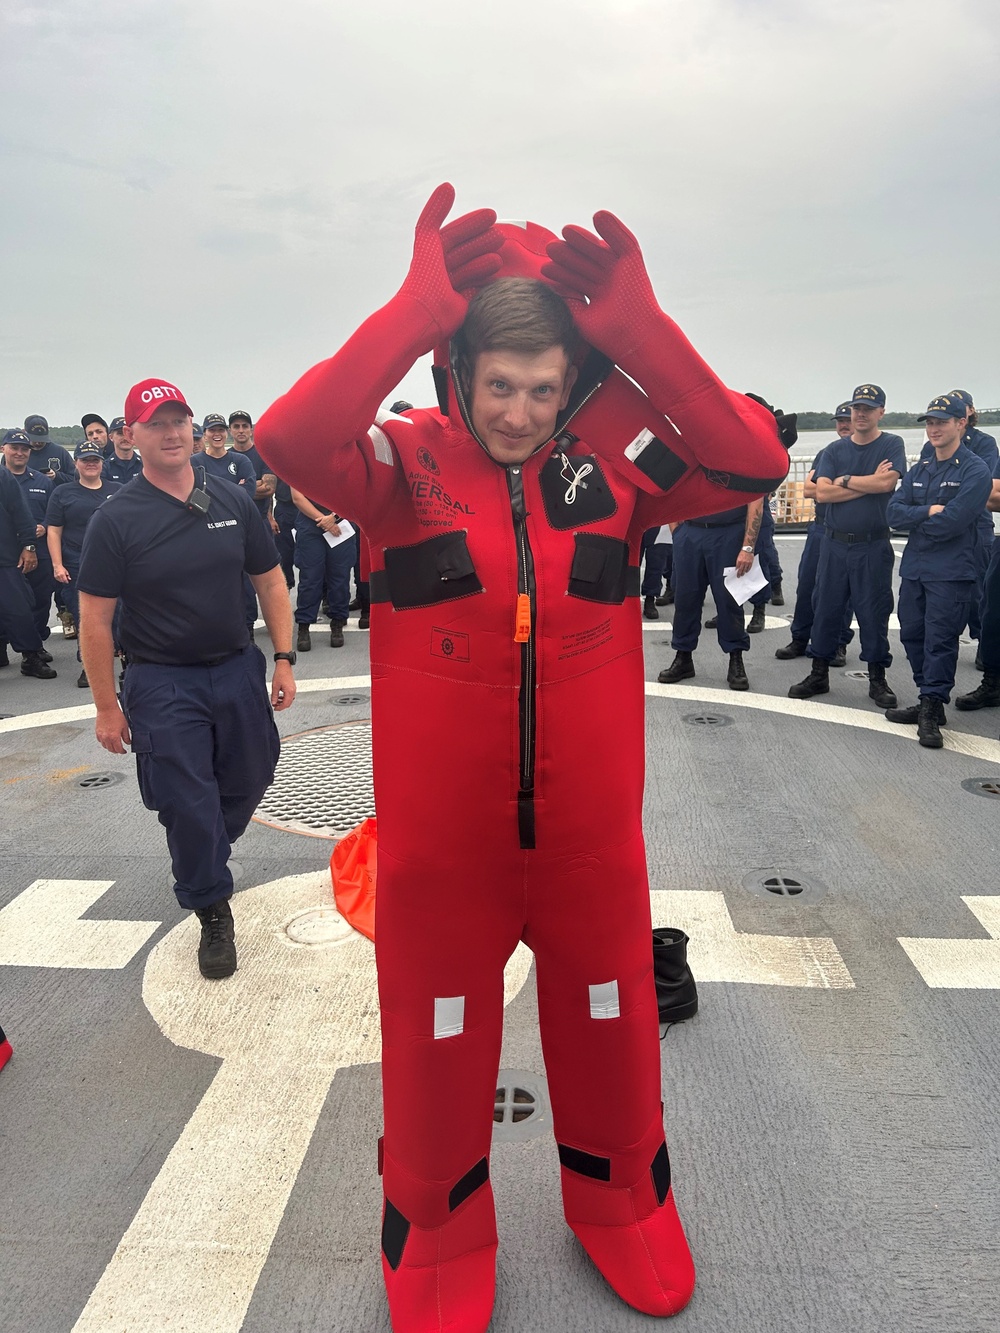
742, 589
335, 538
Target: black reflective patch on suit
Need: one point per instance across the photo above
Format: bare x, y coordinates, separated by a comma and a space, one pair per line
595, 370
661, 465
440, 374
732, 481
575, 491
470, 1182
599, 572
526, 820
660, 1171
395, 1230
585, 1163
437, 570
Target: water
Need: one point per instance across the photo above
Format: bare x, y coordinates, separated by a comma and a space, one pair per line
811, 441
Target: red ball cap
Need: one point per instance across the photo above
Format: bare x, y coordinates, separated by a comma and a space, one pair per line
144, 398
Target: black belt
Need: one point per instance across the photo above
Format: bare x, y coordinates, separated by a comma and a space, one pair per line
133, 659
733, 523
876, 535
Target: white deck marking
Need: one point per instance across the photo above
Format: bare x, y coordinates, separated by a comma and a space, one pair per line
962, 964
41, 927
283, 1025
718, 952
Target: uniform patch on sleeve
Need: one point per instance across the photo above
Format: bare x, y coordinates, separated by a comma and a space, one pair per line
383, 449
655, 460
644, 438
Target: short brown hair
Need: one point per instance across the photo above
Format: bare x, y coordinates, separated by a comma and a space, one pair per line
514, 315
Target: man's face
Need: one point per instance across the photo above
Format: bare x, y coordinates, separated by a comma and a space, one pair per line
865, 419
945, 433
122, 447
165, 440
16, 456
844, 426
213, 441
516, 398
96, 432
241, 431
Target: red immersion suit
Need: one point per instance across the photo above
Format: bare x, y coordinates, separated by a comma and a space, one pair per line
507, 712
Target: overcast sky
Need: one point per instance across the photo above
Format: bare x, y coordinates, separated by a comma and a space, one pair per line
218, 191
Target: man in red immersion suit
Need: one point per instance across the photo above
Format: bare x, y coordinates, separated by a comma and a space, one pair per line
507, 710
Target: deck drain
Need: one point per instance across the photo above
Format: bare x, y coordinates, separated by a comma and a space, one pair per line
94, 781
856, 675
521, 1108
350, 700
786, 885
315, 928
707, 719
323, 783
983, 787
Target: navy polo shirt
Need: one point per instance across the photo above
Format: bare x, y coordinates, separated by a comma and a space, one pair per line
61, 461
17, 527
941, 546
232, 466
865, 513
820, 509
259, 468
120, 469
71, 508
284, 507
36, 489
178, 572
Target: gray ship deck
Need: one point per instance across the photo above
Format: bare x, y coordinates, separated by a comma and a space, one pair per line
192, 1156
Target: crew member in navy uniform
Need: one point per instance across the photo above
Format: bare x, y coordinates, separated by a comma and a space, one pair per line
67, 517
657, 561
18, 558
95, 429
241, 429
121, 463
987, 693
36, 490
703, 549
321, 565
806, 586
854, 479
985, 447
767, 553
939, 504
283, 519
47, 456
173, 546
230, 465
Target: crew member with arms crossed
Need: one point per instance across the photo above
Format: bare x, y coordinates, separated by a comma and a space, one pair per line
174, 547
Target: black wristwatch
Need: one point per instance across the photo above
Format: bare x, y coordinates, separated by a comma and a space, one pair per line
290, 658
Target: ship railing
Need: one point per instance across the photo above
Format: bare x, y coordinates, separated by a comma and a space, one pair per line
793, 511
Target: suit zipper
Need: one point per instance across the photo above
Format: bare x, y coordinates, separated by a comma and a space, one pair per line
526, 696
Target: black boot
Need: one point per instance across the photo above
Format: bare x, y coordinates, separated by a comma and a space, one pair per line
649, 608
878, 688
906, 715
777, 596
839, 658
756, 621
667, 597
4, 659
303, 640
45, 655
336, 634
986, 695
82, 681
681, 668
797, 648
980, 664
32, 665
929, 722
676, 994
364, 620
817, 682
712, 622
217, 948
737, 676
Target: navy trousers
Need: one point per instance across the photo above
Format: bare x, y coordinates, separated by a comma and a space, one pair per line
321, 564
984, 549
700, 556
931, 617
206, 747
42, 583
17, 612
658, 559
805, 591
767, 553
862, 573
989, 639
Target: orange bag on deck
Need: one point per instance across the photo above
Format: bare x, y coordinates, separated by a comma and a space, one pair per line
352, 867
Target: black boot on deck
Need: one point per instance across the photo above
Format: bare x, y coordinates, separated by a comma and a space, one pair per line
217, 948
737, 676
681, 668
756, 621
930, 722
986, 694
817, 682
878, 688
797, 648
676, 994
777, 596
649, 608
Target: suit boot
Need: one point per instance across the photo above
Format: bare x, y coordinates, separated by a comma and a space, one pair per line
676, 993
681, 668
737, 676
878, 688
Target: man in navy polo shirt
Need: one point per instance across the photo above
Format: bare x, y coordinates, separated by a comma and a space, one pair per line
230, 465
36, 490
985, 447
17, 558
939, 504
47, 456
854, 478
122, 463
174, 547
95, 429
241, 429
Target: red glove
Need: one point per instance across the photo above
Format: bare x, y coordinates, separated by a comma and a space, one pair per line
450, 260
607, 285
